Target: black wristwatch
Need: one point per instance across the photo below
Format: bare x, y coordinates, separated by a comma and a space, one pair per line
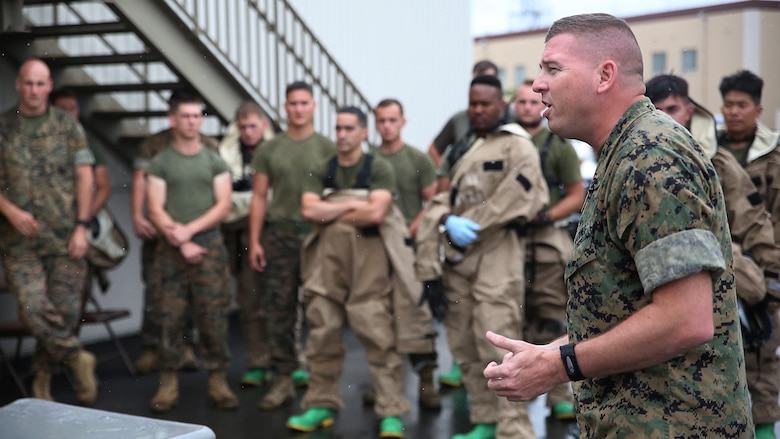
86, 223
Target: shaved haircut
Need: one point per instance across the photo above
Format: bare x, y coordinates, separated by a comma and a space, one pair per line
606, 37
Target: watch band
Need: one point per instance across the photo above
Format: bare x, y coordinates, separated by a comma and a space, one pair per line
570, 363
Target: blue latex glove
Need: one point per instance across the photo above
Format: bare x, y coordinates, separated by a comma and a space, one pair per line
463, 231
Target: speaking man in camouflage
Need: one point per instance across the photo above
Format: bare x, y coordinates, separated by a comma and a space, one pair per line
474, 237
46, 176
653, 346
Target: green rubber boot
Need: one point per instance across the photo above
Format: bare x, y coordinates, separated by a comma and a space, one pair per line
765, 431
564, 411
453, 378
480, 431
311, 420
255, 377
300, 378
391, 427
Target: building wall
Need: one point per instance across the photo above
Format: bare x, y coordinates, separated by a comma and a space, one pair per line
725, 40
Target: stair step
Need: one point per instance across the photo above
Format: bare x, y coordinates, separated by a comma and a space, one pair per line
123, 114
110, 27
123, 58
130, 87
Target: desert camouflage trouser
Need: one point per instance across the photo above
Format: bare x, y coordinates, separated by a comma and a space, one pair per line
48, 293
203, 290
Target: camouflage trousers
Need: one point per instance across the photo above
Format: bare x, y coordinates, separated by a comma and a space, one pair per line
151, 325
48, 293
251, 312
280, 283
201, 289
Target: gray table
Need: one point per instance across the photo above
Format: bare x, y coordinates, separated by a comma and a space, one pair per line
30, 418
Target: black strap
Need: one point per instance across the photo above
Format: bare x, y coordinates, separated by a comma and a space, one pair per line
362, 181
543, 152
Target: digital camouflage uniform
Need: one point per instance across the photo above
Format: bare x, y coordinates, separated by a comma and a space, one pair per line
499, 185
549, 248
38, 161
653, 214
286, 162
150, 326
235, 230
413, 172
761, 160
200, 289
348, 279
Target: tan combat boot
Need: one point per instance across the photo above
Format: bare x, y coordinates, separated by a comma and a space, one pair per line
82, 364
167, 395
41, 386
281, 393
429, 397
147, 362
219, 394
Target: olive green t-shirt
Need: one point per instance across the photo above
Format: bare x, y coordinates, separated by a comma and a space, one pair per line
189, 181
561, 164
382, 176
287, 163
413, 171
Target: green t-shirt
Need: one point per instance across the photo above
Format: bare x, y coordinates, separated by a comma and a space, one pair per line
413, 171
189, 181
561, 164
287, 163
97, 151
382, 176
739, 154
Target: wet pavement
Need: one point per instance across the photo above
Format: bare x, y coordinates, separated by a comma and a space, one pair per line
119, 392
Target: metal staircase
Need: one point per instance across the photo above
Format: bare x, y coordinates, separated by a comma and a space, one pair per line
123, 57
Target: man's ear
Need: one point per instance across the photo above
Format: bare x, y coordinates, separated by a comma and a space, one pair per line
608, 71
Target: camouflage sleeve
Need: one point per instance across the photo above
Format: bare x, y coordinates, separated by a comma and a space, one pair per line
667, 200
677, 256
77, 143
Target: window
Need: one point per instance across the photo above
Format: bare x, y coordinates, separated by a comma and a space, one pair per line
519, 74
502, 75
659, 63
689, 60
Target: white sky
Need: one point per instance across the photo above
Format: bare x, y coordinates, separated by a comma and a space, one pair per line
491, 17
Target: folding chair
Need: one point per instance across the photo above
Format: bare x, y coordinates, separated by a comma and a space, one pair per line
16, 330
92, 313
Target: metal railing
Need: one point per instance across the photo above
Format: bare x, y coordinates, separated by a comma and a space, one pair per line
266, 45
